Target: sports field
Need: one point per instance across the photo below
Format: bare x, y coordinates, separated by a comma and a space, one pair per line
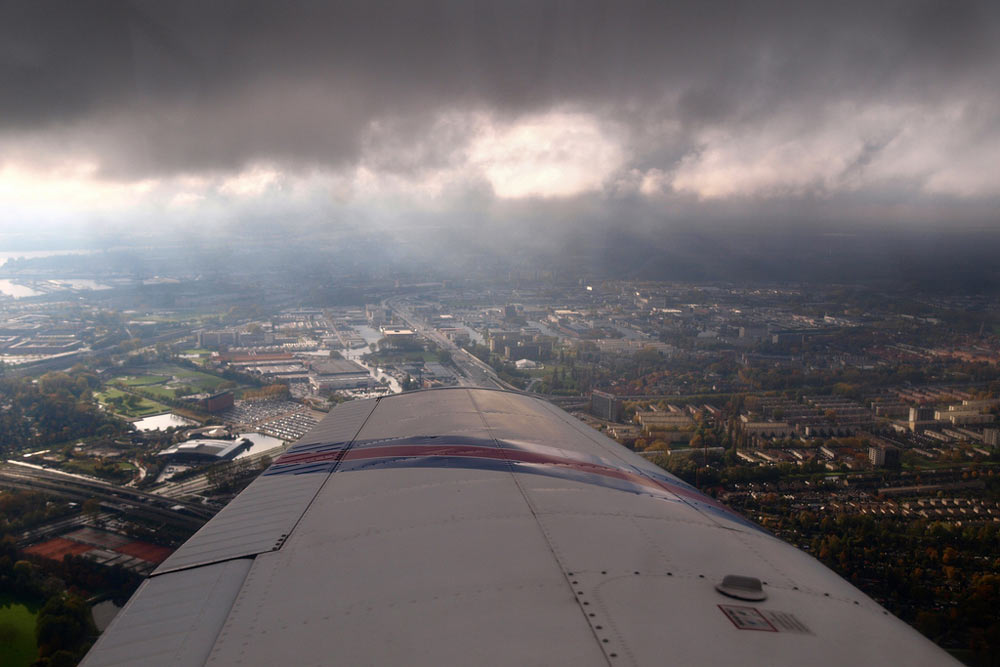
17, 632
87, 539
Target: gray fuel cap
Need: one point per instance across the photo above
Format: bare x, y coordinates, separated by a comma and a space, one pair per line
741, 588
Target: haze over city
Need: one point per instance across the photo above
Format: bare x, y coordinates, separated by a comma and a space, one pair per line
527, 122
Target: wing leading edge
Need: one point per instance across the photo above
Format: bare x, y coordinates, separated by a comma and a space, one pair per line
464, 526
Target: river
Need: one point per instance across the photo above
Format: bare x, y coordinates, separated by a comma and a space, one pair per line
371, 336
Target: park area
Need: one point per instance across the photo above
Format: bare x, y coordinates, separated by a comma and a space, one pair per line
128, 405
139, 394
171, 381
17, 631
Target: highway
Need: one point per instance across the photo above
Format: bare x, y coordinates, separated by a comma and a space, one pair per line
139, 503
60, 526
472, 371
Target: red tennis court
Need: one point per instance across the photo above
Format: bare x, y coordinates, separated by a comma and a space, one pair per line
58, 547
145, 551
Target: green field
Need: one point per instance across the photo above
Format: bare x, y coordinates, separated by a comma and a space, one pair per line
163, 391
196, 379
143, 408
17, 632
88, 467
165, 373
163, 381
142, 380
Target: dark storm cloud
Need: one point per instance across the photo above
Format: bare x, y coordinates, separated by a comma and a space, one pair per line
183, 86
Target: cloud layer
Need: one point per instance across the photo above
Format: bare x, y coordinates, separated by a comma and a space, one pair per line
635, 111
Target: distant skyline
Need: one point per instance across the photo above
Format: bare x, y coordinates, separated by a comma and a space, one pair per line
552, 116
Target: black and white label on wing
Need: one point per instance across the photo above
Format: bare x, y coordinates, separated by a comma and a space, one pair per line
747, 618
763, 620
785, 621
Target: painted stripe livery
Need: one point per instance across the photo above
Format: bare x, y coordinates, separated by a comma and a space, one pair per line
463, 452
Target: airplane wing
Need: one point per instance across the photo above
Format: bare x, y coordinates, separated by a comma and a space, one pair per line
474, 526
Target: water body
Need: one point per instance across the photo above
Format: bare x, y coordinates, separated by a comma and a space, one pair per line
261, 443
17, 290
379, 375
371, 336
104, 613
163, 421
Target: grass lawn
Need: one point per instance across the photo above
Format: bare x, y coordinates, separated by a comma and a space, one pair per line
142, 380
143, 408
168, 392
17, 631
201, 381
87, 467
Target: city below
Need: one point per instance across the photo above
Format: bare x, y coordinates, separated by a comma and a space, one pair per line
858, 423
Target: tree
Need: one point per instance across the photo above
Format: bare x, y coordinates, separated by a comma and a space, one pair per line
92, 508
63, 624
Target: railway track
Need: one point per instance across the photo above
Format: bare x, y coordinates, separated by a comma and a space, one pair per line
136, 502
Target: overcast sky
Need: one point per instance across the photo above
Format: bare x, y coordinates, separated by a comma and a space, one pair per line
633, 114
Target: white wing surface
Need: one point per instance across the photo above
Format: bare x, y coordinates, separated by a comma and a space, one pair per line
472, 526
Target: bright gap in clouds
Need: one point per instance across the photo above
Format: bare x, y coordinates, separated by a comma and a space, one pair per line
69, 184
560, 154
553, 155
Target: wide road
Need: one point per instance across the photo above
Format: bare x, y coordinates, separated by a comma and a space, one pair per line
77, 488
473, 372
